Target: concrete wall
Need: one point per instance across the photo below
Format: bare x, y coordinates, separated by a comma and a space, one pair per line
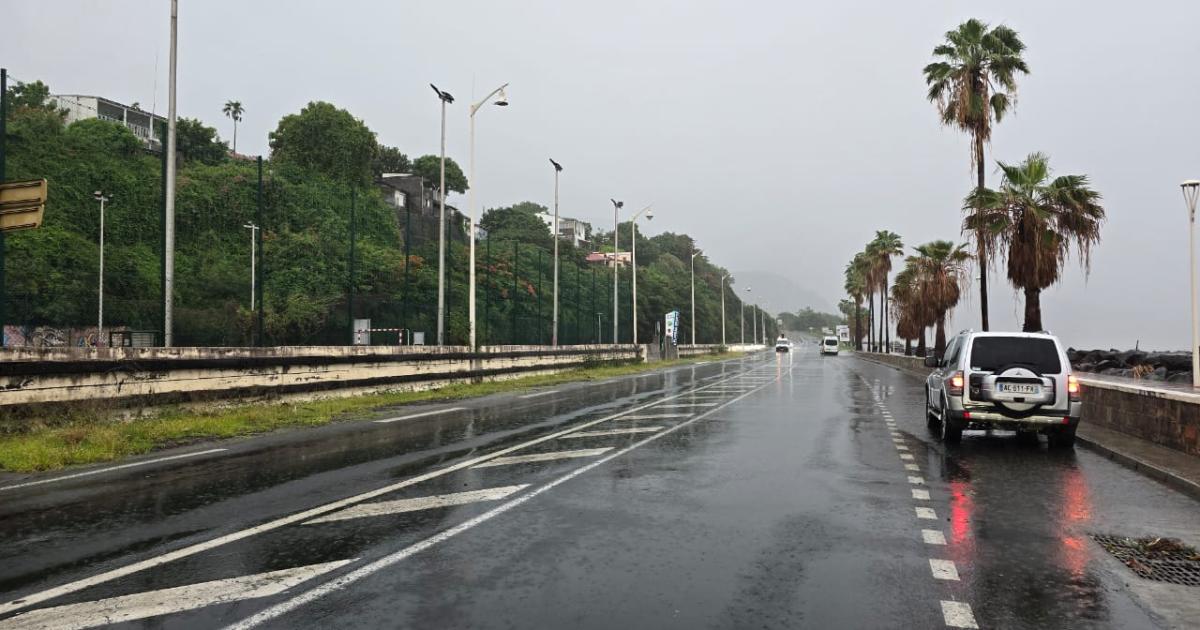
35, 378
715, 348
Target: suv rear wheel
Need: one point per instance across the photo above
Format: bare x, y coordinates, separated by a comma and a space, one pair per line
1063, 438
951, 430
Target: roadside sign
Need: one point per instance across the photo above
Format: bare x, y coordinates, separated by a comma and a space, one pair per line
671, 330
22, 204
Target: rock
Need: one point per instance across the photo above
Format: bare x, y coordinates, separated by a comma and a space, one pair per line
1180, 377
1107, 364
1159, 374
1130, 358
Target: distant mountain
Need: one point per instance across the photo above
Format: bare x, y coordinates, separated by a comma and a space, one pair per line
778, 293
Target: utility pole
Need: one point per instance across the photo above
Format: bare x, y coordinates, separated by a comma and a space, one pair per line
616, 250
3, 135
253, 278
256, 256
99, 195
162, 235
350, 280
169, 227
554, 317
723, 279
441, 305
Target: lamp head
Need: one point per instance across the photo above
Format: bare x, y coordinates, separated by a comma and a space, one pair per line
99, 195
1191, 183
445, 96
649, 214
501, 99
557, 166
617, 204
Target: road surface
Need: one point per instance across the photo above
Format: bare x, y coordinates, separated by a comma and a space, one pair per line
772, 492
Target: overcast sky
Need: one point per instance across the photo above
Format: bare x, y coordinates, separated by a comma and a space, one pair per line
780, 134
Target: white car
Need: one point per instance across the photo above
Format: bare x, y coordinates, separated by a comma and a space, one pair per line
829, 345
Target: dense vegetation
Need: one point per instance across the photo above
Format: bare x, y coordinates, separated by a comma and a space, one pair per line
323, 162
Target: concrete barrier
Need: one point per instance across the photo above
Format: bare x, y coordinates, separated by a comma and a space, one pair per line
36, 378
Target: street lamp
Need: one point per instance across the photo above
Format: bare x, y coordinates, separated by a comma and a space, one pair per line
1191, 191
253, 278
742, 314
99, 196
554, 318
694, 254
446, 99
617, 205
723, 279
633, 260
501, 101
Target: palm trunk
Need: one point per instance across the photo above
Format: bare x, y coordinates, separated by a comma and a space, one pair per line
871, 321
858, 326
908, 347
981, 253
1033, 310
882, 314
235, 136
939, 344
922, 350
887, 317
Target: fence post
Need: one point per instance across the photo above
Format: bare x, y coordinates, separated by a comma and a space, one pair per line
512, 337
487, 302
539, 299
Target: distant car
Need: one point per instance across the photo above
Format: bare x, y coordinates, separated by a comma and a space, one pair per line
783, 345
829, 345
1015, 381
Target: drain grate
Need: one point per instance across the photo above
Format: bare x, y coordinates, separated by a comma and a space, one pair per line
1160, 559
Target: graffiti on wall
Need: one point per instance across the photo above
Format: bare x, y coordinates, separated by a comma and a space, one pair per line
54, 336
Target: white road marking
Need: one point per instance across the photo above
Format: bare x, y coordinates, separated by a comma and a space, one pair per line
920, 495
420, 415
397, 556
687, 405
906, 456
103, 612
943, 569
926, 513
170, 556
605, 432
544, 457
536, 394
383, 508
958, 615
655, 416
901, 447
933, 537
916, 480
912, 467
89, 473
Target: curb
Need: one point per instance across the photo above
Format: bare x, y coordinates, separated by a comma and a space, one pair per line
1158, 473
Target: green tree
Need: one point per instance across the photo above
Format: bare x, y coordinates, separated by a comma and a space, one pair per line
885, 246
429, 167
1038, 219
390, 160
234, 110
940, 270
199, 142
23, 97
326, 140
518, 222
972, 81
856, 287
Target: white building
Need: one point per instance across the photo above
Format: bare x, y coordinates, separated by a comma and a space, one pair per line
573, 230
144, 125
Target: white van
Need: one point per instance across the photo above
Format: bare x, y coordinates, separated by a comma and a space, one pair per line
829, 345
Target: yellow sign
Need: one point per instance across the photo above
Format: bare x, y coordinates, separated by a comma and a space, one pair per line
22, 204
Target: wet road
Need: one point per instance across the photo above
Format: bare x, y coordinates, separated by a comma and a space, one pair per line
757, 493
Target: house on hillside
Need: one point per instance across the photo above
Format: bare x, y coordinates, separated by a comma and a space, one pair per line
573, 230
144, 125
608, 259
416, 204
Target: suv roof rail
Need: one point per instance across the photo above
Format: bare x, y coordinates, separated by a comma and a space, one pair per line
966, 330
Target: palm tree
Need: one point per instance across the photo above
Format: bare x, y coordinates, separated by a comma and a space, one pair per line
234, 109
941, 270
886, 245
973, 80
1038, 219
907, 308
856, 288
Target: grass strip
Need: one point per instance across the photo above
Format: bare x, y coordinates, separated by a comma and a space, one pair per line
56, 443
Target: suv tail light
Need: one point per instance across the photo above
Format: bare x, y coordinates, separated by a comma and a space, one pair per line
954, 384
1073, 388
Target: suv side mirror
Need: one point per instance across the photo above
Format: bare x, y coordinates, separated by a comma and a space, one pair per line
931, 361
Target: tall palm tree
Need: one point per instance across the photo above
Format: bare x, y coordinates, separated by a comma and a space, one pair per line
234, 109
1038, 220
886, 245
941, 271
856, 288
972, 80
869, 265
907, 308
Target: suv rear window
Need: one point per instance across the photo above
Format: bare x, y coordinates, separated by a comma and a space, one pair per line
831, 342
990, 354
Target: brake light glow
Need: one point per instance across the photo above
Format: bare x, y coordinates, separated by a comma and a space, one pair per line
1072, 388
954, 384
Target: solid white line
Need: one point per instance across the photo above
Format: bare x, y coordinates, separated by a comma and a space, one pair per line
943, 569
920, 495
536, 394
112, 468
958, 615
605, 432
912, 467
544, 457
687, 405
916, 480
383, 508
388, 560
655, 416
103, 612
101, 578
933, 537
926, 513
420, 415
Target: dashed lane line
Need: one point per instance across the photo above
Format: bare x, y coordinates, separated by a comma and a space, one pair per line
906, 456
920, 495
918, 481
544, 457
654, 416
98, 471
958, 615
367, 570
933, 537
943, 569
606, 432
912, 467
926, 513
384, 508
420, 415
537, 394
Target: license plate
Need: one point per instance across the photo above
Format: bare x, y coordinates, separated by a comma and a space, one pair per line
1018, 388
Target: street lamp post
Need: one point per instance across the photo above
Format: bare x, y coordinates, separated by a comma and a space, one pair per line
617, 205
253, 278
742, 314
501, 101
694, 254
99, 195
446, 99
633, 260
723, 279
1191, 191
754, 324
554, 317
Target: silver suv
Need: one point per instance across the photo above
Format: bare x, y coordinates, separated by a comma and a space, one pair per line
1015, 381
